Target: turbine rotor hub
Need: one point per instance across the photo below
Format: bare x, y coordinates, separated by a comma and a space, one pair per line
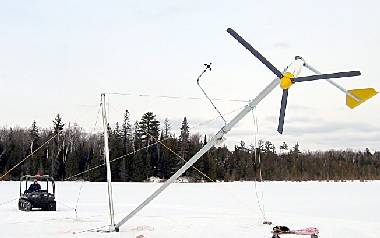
287, 80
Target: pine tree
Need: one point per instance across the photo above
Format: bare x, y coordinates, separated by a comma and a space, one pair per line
136, 165
34, 136
148, 129
296, 150
184, 139
117, 132
58, 125
168, 162
58, 161
126, 133
115, 143
3, 161
209, 165
283, 147
125, 167
269, 147
15, 150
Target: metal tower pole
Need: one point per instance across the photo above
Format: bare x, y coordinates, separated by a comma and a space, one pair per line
218, 137
108, 166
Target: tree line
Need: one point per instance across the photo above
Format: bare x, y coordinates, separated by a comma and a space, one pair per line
148, 148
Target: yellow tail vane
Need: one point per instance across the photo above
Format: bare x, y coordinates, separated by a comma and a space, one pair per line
363, 94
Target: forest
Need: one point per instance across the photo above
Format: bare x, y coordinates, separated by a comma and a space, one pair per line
148, 149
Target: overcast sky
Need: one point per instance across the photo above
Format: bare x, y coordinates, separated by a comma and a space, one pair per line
58, 56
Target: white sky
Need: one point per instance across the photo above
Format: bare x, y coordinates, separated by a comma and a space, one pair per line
58, 56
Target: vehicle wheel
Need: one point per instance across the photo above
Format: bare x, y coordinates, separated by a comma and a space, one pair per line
27, 206
20, 205
51, 206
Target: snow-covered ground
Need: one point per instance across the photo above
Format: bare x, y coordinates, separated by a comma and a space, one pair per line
349, 209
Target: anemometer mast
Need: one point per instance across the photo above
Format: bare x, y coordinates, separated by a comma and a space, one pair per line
107, 160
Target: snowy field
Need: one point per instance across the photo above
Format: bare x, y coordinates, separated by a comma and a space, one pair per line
350, 209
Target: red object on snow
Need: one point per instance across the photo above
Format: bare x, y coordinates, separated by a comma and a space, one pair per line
306, 231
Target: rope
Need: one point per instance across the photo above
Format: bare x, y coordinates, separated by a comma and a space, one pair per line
120, 157
203, 174
197, 126
27, 157
174, 97
146, 147
97, 119
65, 205
256, 124
76, 205
97, 229
9, 201
260, 202
180, 157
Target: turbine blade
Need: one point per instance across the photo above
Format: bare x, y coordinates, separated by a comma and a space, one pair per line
284, 101
327, 76
254, 52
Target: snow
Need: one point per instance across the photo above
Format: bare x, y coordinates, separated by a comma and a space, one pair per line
338, 209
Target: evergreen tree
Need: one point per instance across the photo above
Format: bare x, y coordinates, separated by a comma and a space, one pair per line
283, 147
15, 150
75, 151
168, 162
34, 136
116, 151
269, 147
209, 165
58, 124
184, 139
126, 132
148, 129
137, 163
3, 161
296, 150
126, 163
58, 160
117, 131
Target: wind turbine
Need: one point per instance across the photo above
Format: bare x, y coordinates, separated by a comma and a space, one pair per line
285, 80
289, 77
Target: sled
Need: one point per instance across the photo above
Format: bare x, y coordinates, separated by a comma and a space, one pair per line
283, 230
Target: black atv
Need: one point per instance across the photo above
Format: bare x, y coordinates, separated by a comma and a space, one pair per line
34, 196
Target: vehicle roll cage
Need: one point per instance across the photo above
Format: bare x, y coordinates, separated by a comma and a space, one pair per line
41, 178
